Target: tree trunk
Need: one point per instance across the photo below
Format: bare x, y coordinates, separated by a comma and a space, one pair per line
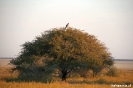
64, 74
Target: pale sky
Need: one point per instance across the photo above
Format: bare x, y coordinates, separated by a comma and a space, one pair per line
110, 20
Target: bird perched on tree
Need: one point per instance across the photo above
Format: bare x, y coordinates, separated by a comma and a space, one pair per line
67, 26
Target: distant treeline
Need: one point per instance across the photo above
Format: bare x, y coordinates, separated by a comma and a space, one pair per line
7, 57
113, 59
123, 59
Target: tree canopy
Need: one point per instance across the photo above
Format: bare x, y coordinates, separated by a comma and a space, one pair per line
64, 50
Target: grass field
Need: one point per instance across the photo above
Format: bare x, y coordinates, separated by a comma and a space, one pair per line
102, 81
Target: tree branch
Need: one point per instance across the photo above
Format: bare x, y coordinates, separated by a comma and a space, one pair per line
70, 70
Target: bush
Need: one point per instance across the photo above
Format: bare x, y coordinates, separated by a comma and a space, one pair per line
112, 71
101, 81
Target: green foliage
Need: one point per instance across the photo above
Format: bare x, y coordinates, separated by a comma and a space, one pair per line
73, 74
63, 50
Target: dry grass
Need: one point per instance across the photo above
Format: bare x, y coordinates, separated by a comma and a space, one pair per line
51, 85
125, 77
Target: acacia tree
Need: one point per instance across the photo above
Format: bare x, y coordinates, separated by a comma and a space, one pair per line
65, 50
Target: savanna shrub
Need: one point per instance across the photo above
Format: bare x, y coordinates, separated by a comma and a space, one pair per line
112, 71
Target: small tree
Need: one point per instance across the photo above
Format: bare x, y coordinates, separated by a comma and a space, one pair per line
65, 50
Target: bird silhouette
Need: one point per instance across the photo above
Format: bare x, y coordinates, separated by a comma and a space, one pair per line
67, 26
